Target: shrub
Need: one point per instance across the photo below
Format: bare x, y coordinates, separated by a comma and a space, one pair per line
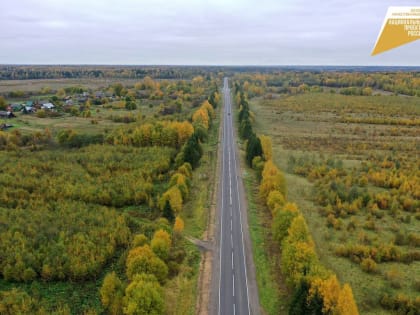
112, 292
144, 295
368, 265
275, 200
144, 260
281, 223
394, 277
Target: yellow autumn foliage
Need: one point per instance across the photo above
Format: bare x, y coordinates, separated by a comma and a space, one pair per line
174, 196
335, 300
201, 117
178, 225
267, 147
275, 201
272, 179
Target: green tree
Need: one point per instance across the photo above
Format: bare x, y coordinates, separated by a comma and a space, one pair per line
281, 223
3, 104
305, 304
193, 151
118, 89
130, 103
143, 260
168, 213
144, 296
15, 302
139, 240
253, 149
161, 244
112, 292
245, 129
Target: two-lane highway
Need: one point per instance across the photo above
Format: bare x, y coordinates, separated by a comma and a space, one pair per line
233, 295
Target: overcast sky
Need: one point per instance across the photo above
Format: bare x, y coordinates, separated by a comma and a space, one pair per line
203, 32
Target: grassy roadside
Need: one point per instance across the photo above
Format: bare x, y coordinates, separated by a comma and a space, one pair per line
273, 298
272, 295
182, 292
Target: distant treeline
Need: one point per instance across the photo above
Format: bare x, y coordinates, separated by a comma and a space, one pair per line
31, 72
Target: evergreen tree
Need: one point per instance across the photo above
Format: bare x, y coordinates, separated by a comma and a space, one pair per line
130, 104
253, 149
193, 151
246, 129
212, 100
168, 213
243, 115
302, 304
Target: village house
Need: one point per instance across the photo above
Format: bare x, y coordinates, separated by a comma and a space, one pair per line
48, 106
6, 114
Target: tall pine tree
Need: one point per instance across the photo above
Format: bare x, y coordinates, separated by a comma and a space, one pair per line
253, 148
168, 213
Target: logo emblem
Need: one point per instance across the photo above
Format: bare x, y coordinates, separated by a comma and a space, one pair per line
401, 26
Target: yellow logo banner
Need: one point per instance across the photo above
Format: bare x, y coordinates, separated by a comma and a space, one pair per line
401, 26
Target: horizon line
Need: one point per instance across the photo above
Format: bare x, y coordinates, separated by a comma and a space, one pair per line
206, 65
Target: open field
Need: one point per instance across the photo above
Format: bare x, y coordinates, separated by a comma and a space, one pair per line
7, 86
361, 134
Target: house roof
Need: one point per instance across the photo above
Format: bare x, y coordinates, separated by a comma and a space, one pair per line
48, 105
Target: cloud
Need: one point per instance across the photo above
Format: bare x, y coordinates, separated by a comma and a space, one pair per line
196, 32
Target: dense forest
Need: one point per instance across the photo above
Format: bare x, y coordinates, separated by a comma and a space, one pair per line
101, 210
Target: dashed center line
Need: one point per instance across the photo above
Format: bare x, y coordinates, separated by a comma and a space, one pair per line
233, 267
233, 285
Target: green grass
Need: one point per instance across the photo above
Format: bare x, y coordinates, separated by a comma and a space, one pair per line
36, 85
183, 290
196, 211
290, 120
273, 298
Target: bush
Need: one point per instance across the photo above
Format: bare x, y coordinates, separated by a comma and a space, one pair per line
144, 295
275, 200
112, 292
368, 265
144, 260
401, 303
281, 223
394, 277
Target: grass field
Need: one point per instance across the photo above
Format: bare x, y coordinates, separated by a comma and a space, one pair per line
55, 84
313, 125
101, 120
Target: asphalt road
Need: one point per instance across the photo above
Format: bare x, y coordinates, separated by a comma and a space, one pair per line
235, 257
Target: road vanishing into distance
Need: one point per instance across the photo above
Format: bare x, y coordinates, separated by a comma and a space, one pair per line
237, 291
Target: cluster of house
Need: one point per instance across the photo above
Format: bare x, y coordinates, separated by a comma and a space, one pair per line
30, 106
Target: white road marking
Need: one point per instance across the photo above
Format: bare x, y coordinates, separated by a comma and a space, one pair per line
232, 261
221, 217
240, 220
233, 285
230, 181
229, 144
